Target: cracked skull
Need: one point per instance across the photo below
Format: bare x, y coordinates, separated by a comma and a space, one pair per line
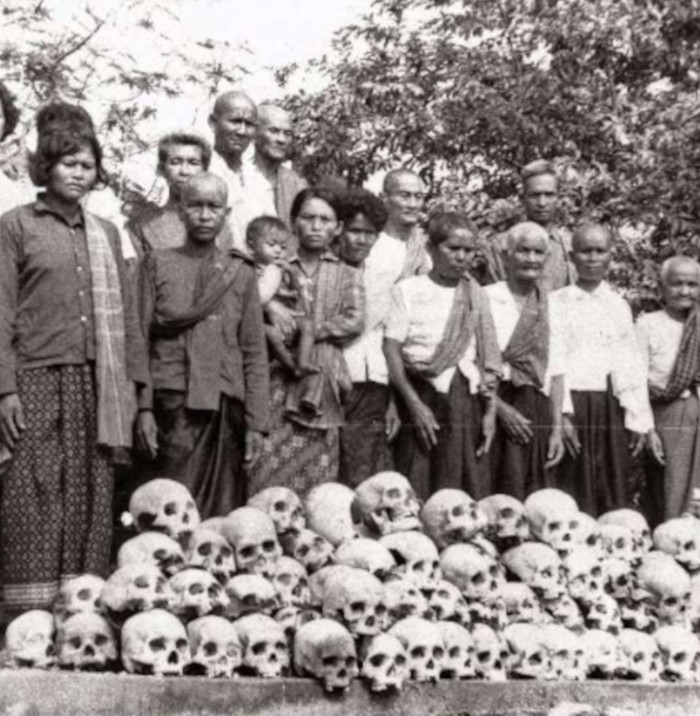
416, 557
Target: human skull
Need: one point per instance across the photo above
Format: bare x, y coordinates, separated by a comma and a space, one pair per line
135, 588
618, 577
265, 651
384, 662
85, 641
476, 575
528, 656
386, 503
506, 521
680, 537
424, 647
250, 594
79, 595
164, 505
553, 517
694, 608
209, 550
521, 604
291, 619
452, 517
458, 662
637, 615
329, 513
604, 614
324, 649
565, 611
416, 557
584, 574
668, 585
538, 566
588, 534
679, 650
353, 597
29, 639
283, 506
642, 655
403, 599
308, 548
491, 653
492, 613
604, 654
216, 648
254, 539
155, 643
291, 582
154, 548
633, 520
369, 554
197, 593
445, 602
565, 653
620, 542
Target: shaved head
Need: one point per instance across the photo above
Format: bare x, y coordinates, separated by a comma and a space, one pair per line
393, 180
522, 232
585, 232
677, 263
205, 183
273, 114
229, 100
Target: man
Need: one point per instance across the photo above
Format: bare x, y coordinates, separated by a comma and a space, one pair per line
234, 121
180, 156
202, 420
540, 199
271, 186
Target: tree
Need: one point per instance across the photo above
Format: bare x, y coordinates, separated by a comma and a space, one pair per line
467, 91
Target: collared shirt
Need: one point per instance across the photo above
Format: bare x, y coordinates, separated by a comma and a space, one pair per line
600, 344
46, 315
418, 315
659, 338
167, 283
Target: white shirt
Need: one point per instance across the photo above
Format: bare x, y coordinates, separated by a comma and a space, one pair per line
417, 319
599, 341
659, 338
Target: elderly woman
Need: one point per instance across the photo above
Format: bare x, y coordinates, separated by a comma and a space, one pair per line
529, 403
670, 343
10, 191
70, 349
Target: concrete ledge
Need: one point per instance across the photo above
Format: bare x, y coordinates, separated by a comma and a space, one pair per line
37, 693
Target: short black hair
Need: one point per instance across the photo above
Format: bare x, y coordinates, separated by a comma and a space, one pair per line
262, 224
440, 226
356, 202
58, 143
9, 111
63, 115
320, 192
188, 139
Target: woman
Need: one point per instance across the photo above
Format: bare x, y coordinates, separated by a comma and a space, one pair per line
302, 448
10, 191
70, 348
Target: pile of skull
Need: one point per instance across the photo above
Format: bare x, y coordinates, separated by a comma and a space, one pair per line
369, 583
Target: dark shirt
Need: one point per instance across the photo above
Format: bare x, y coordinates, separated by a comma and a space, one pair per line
46, 315
167, 283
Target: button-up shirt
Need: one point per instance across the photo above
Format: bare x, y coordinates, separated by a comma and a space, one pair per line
600, 344
46, 315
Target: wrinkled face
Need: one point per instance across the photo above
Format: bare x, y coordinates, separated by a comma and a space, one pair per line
491, 653
681, 289
283, 506
197, 593
250, 594
384, 663
604, 614
216, 648
458, 662
310, 549
274, 137
204, 208
155, 643
209, 550
79, 595
526, 258
29, 640
291, 583
154, 548
234, 125
86, 643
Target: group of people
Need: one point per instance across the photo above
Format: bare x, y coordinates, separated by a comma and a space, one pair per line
272, 333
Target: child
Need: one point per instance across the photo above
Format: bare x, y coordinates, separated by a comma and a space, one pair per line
444, 361
266, 240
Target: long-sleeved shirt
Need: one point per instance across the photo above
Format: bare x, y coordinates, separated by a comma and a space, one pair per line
167, 283
600, 344
46, 313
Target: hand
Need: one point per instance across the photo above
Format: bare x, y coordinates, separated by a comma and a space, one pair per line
253, 447
555, 448
655, 446
392, 422
425, 424
516, 425
282, 318
636, 443
147, 434
12, 423
488, 431
570, 437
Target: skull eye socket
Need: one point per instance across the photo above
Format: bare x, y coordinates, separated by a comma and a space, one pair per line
419, 566
357, 607
400, 660
535, 659
671, 602
554, 526
284, 579
592, 540
279, 506
226, 552
380, 610
331, 661
84, 594
438, 652
377, 660
596, 572
247, 552
620, 543
393, 493
268, 546
204, 549
210, 648
160, 554
181, 645
680, 658
442, 594
638, 657
258, 648
573, 524
141, 582
547, 572
418, 652
157, 644
453, 653
75, 641
493, 570
303, 551
318, 543
101, 640
458, 511
170, 509
483, 656
280, 646
507, 513
350, 661
689, 545
480, 578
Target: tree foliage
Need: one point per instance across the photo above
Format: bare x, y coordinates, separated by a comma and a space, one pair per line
467, 91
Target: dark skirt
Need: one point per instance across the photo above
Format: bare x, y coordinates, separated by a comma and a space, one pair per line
294, 456
56, 495
519, 470
599, 478
452, 462
203, 449
364, 450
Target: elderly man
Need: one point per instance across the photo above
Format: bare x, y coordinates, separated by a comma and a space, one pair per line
203, 418
529, 402
540, 199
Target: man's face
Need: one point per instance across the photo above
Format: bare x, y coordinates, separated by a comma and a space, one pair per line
540, 198
405, 199
591, 254
274, 137
183, 161
204, 211
234, 127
